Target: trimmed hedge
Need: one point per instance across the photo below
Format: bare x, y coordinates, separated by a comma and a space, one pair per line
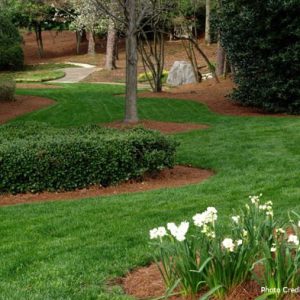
36, 158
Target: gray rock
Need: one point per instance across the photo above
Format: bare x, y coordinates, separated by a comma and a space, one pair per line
181, 73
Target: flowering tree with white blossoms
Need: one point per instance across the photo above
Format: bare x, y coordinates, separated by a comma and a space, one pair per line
191, 262
87, 17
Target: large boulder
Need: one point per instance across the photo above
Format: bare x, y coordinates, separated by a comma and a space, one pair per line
181, 73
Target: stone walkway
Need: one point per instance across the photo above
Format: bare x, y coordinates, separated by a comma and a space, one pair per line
74, 75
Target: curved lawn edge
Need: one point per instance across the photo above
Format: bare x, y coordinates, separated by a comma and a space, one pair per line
23, 104
179, 176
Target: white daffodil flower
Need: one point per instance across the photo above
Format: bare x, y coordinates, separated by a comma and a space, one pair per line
208, 216
157, 232
236, 219
178, 232
228, 244
273, 248
293, 239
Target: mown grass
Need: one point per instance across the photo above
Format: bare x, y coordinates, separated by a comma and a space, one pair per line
69, 250
38, 73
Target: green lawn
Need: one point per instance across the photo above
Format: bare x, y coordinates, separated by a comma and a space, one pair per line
39, 73
68, 250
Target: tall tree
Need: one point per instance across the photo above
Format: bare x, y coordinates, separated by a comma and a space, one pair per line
86, 16
131, 14
207, 22
220, 67
132, 24
110, 63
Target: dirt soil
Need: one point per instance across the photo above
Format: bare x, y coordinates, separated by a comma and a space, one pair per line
164, 127
214, 95
22, 105
60, 46
168, 178
147, 283
56, 44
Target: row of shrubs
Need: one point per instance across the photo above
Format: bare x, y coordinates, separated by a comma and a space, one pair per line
36, 158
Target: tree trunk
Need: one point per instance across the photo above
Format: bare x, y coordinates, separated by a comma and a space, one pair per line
131, 64
207, 23
91, 46
220, 60
83, 36
39, 39
117, 48
78, 40
111, 47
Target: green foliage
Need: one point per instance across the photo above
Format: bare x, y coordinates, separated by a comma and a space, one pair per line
262, 40
7, 88
34, 158
148, 76
11, 53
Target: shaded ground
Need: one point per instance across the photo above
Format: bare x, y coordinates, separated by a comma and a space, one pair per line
56, 44
164, 127
168, 178
23, 104
61, 47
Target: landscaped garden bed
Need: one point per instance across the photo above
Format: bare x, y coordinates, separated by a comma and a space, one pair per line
258, 259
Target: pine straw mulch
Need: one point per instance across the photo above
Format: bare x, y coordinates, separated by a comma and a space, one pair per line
147, 283
164, 127
22, 105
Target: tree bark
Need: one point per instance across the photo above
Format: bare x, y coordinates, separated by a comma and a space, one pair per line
91, 46
111, 47
39, 39
78, 41
207, 23
220, 60
131, 115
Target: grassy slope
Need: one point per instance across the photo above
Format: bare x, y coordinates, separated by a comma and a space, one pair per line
67, 250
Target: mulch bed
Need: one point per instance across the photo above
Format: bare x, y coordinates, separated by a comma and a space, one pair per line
168, 178
147, 283
164, 127
214, 95
22, 105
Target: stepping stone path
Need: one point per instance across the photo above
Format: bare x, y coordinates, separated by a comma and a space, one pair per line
74, 74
